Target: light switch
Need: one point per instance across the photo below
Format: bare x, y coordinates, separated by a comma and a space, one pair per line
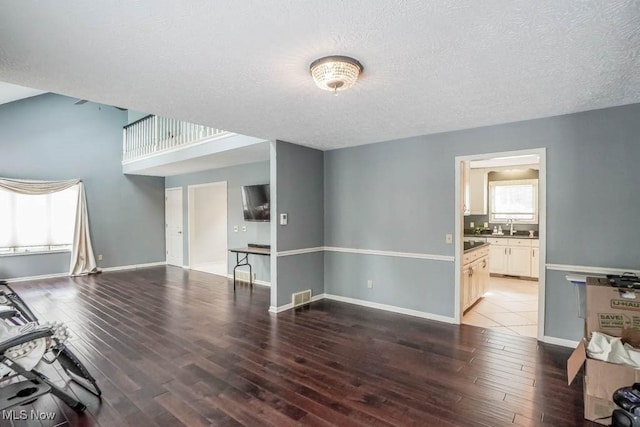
244, 228
235, 228
284, 219
449, 238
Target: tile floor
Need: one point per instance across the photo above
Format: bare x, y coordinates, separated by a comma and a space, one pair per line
510, 306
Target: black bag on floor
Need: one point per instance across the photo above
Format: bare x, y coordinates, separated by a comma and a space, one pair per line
628, 399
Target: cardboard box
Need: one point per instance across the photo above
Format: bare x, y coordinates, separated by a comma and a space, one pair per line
609, 312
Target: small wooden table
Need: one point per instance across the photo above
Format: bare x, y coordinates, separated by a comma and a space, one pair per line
241, 262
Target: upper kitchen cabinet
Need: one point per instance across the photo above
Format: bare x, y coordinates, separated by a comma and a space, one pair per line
475, 190
478, 191
466, 196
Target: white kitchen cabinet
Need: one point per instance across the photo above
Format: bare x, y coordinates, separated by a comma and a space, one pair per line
512, 257
499, 257
519, 263
475, 277
478, 191
481, 277
535, 262
466, 190
466, 285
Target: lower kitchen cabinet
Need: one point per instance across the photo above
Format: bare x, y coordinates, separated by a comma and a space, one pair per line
499, 256
465, 296
535, 260
475, 278
519, 262
513, 257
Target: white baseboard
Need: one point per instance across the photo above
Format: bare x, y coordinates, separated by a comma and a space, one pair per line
106, 269
255, 282
560, 341
261, 283
289, 306
392, 308
133, 266
40, 277
276, 310
370, 304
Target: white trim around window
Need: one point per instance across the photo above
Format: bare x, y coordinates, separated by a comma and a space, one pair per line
521, 215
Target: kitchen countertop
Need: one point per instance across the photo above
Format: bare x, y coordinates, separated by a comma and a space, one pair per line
501, 236
472, 246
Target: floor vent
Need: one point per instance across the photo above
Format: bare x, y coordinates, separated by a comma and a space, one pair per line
301, 298
244, 276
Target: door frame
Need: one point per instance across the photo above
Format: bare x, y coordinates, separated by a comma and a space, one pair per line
166, 244
190, 200
542, 226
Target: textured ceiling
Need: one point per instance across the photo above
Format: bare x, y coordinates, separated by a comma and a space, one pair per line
430, 66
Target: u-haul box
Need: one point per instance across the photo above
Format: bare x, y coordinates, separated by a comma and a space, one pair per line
612, 312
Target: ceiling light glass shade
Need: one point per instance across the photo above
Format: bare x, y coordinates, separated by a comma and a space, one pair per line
335, 73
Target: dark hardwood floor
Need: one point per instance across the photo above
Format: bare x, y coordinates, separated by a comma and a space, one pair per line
172, 347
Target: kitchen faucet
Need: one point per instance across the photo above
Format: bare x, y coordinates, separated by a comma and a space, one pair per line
510, 223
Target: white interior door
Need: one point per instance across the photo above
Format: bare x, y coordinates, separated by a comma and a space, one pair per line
173, 225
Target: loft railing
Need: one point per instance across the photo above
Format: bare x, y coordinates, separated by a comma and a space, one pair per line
154, 135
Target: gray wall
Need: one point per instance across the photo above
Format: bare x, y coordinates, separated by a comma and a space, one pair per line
399, 196
300, 194
49, 138
133, 116
300, 189
404, 282
257, 232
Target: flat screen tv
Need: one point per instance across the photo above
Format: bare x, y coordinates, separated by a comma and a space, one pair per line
256, 202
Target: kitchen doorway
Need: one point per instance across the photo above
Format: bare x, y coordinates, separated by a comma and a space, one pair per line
207, 207
500, 241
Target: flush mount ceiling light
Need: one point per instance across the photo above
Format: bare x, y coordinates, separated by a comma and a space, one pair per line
335, 73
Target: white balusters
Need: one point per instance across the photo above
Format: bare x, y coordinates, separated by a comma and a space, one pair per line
155, 134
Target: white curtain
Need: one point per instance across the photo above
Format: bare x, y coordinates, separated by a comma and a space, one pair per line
82, 259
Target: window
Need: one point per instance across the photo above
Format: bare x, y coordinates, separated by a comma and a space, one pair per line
37, 223
516, 200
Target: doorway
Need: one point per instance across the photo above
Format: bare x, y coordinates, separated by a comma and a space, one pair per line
173, 226
208, 227
500, 241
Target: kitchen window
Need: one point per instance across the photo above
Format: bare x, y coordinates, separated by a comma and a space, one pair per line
37, 223
516, 200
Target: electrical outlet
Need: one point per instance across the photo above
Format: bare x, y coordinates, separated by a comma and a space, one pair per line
235, 228
472, 225
369, 283
100, 257
486, 225
244, 228
449, 238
